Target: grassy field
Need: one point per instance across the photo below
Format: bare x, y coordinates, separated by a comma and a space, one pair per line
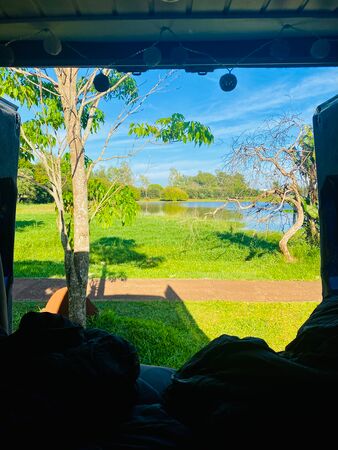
162, 247
169, 332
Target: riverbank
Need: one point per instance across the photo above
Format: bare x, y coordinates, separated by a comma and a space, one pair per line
181, 247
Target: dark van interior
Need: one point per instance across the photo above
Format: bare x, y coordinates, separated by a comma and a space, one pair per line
85, 389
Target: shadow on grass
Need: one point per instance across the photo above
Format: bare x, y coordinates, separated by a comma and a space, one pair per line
257, 246
33, 268
161, 328
114, 250
21, 225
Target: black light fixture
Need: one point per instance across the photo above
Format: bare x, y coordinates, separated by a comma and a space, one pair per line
228, 82
320, 48
51, 43
101, 82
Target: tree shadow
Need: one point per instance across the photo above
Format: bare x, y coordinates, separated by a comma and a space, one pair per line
256, 245
21, 225
38, 269
115, 250
160, 327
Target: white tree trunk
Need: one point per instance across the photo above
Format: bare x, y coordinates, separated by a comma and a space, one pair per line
283, 243
76, 259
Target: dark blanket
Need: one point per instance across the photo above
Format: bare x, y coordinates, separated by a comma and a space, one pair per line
60, 383
64, 387
240, 390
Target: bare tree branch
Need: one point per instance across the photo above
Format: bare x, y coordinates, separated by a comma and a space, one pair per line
28, 74
122, 117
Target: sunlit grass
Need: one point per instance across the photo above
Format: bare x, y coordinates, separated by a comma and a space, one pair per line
169, 332
162, 247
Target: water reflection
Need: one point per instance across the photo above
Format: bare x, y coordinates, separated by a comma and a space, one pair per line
195, 209
248, 219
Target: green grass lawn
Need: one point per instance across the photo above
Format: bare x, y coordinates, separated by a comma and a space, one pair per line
169, 332
162, 247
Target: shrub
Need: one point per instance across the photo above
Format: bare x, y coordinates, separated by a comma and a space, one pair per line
135, 192
173, 194
154, 190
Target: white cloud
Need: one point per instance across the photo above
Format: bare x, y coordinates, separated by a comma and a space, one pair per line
235, 130
315, 85
274, 96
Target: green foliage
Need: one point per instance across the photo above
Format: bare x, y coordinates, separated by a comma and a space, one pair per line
305, 159
310, 210
109, 202
135, 192
174, 129
98, 115
32, 91
205, 185
26, 189
172, 193
204, 179
127, 91
154, 190
28, 176
17, 87
119, 174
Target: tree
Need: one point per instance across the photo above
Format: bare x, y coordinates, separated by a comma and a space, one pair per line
207, 185
176, 178
306, 162
26, 189
121, 174
174, 194
65, 111
204, 179
155, 190
144, 185
280, 154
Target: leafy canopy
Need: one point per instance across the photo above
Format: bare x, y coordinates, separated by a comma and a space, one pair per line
174, 129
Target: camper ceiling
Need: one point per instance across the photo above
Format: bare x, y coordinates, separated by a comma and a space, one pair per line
213, 33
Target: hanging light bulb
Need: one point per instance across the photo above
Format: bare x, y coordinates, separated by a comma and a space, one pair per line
228, 82
6, 55
320, 49
101, 82
52, 44
279, 49
152, 56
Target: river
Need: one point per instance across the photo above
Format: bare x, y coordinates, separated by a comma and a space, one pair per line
258, 219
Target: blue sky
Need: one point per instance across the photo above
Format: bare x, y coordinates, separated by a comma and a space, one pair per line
259, 95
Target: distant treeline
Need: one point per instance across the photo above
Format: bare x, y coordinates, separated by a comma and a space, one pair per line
203, 185
207, 185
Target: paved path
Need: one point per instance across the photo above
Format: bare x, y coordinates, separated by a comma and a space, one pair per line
173, 289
